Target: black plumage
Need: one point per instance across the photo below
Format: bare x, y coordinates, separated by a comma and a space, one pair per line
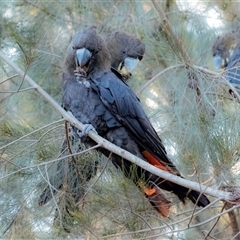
98, 97
95, 95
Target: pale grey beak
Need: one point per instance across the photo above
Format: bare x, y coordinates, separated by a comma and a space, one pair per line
218, 62
130, 63
83, 55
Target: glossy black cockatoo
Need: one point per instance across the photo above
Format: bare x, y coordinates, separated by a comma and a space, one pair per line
96, 96
125, 51
226, 54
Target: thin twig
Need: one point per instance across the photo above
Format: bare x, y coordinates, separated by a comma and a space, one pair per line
235, 237
92, 185
34, 142
51, 190
50, 161
9, 78
172, 224
67, 140
79, 173
19, 90
173, 231
159, 75
208, 234
29, 134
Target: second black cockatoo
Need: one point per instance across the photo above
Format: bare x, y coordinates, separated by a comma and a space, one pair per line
226, 54
96, 96
125, 51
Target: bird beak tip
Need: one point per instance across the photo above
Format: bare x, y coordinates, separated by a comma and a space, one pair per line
83, 55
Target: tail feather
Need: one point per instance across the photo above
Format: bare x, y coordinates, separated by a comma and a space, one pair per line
155, 161
159, 202
157, 199
197, 198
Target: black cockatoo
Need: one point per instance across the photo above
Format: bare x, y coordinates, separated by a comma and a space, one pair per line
125, 51
226, 54
96, 96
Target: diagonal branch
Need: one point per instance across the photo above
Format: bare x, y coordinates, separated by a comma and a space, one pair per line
223, 195
167, 28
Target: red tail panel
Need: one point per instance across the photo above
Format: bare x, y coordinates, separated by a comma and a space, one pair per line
157, 199
152, 159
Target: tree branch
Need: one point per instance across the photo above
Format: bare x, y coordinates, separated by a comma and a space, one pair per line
223, 195
167, 28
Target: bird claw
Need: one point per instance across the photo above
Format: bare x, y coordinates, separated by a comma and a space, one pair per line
86, 129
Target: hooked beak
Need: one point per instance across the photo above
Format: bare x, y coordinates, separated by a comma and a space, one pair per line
218, 62
83, 56
130, 63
